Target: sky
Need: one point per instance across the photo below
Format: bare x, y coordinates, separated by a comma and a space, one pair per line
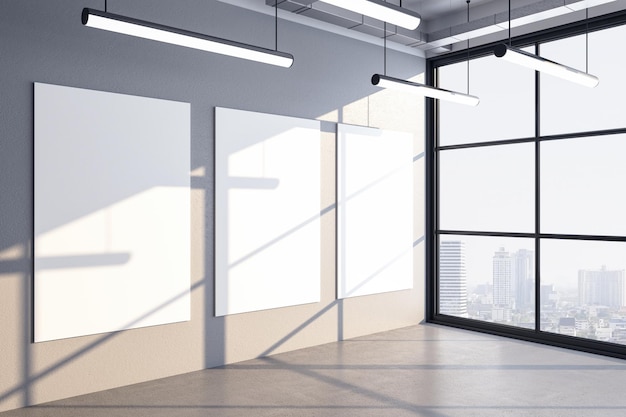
581, 183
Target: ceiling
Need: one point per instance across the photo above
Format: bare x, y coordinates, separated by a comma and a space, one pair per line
445, 26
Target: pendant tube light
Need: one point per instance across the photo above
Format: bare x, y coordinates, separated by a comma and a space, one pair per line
537, 63
424, 90
380, 10
154, 31
382, 80
544, 65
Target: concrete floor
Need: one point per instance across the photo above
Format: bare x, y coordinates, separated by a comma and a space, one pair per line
424, 370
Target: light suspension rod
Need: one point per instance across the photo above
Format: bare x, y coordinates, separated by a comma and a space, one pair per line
424, 90
154, 31
380, 10
532, 61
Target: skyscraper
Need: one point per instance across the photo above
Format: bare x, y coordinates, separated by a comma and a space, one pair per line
523, 280
601, 287
452, 278
502, 286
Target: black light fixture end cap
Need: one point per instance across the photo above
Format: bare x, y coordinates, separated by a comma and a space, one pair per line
85, 16
500, 50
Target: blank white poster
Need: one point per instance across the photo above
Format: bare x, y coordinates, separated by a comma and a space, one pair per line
375, 211
267, 211
112, 212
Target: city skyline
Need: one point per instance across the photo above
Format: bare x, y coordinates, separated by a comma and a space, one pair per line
592, 306
560, 259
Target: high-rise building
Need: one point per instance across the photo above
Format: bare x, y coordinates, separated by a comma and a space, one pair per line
601, 287
549, 297
523, 280
452, 278
502, 286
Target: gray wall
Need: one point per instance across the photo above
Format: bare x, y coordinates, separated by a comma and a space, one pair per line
44, 41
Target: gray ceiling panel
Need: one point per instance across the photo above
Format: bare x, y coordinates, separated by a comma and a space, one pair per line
290, 6
447, 19
329, 18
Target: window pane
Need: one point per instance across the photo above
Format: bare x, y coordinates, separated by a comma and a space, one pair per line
488, 188
506, 109
487, 278
581, 186
568, 107
582, 289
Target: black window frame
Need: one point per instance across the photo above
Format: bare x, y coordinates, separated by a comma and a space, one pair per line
433, 232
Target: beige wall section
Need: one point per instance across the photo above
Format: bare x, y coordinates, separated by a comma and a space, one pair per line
393, 110
13, 296
274, 331
45, 42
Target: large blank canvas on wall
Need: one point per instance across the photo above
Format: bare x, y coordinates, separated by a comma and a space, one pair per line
112, 212
374, 211
267, 211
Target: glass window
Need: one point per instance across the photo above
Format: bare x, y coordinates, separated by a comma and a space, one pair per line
507, 102
487, 278
582, 185
484, 189
583, 289
488, 188
567, 107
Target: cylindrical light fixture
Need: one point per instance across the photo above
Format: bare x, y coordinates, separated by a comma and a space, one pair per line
424, 90
156, 32
381, 10
537, 63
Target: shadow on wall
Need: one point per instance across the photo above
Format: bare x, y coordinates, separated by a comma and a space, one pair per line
23, 386
17, 260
